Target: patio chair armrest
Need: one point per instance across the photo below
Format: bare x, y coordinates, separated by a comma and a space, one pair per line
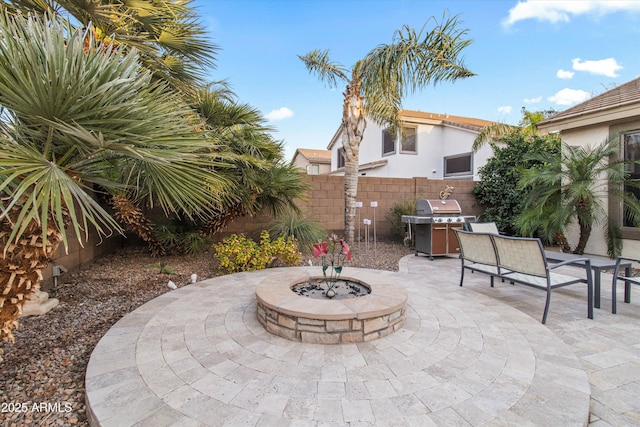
586, 260
616, 270
624, 258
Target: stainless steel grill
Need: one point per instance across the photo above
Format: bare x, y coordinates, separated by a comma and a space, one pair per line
434, 223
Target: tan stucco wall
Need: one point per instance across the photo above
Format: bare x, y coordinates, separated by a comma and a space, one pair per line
590, 136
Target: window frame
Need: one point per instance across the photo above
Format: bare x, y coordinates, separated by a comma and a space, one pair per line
404, 138
616, 209
340, 161
447, 174
385, 133
633, 174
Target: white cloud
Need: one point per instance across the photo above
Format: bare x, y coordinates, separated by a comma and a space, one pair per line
604, 67
281, 113
505, 109
555, 11
535, 100
569, 96
564, 74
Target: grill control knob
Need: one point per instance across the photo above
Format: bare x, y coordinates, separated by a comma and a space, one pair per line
458, 219
449, 219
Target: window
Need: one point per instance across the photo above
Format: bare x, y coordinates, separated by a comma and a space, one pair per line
388, 143
631, 154
313, 169
461, 164
340, 158
408, 143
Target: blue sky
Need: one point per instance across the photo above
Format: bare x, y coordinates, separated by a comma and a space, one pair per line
533, 54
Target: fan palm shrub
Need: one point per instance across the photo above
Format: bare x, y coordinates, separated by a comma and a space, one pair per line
305, 229
79, 117
170, 40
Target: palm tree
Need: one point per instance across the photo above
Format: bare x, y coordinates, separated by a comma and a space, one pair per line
527, 127
377, 83
255, 166
77, 117
167, 35
571, 186
170, 43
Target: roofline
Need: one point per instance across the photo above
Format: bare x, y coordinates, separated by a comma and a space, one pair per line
551, 120
334, 137
312, 160
463, 126
421, 118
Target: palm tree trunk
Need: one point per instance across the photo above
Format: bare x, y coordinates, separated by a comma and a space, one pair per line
562, 241
134, 220
585, 232
583, 213
353, 125
21, 266
222, 218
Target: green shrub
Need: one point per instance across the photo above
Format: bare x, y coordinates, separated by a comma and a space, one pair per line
498, 192
300, 226
193, 242
394, 216
163, 268
180, 236
238, 253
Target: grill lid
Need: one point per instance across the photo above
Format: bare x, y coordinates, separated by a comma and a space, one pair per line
426, 207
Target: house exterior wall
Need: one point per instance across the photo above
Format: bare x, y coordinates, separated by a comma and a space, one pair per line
300, 162
590, 136
306, 165
433, 144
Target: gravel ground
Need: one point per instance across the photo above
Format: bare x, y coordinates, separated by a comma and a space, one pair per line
42, 376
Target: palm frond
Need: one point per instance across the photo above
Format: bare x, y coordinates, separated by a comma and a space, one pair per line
412, 61
171, 41
77, 116
329, 72
492, 132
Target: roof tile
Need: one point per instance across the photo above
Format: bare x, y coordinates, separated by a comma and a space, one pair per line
627, 93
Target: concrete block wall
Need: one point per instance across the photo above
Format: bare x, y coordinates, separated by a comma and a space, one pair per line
325, 202
80, 255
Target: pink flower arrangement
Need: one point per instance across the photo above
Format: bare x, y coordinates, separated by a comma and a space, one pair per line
333, 254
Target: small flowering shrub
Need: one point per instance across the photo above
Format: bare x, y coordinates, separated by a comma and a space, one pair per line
284, 250
238, 253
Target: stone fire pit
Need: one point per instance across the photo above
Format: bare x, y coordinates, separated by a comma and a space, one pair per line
298, 318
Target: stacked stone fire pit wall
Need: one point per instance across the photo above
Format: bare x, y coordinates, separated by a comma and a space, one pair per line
298, 318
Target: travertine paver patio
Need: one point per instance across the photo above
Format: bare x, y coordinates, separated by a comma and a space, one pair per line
468, 356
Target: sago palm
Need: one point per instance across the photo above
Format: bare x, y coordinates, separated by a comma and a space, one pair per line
376, 84
75, 120
572, 187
